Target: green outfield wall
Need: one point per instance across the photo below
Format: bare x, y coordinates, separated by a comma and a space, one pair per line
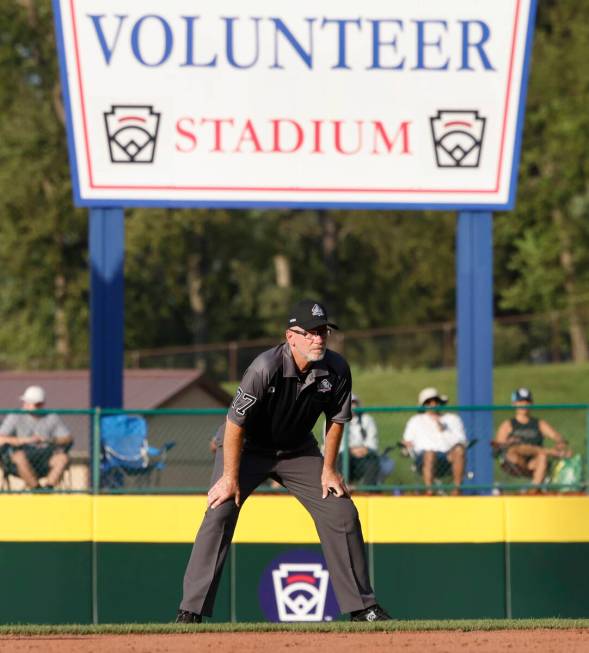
108, 559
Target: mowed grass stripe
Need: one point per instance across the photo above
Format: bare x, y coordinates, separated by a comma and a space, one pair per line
464, 625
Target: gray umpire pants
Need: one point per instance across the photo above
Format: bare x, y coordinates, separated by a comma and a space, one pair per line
336, 520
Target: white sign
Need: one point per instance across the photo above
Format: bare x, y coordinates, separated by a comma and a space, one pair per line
283, 103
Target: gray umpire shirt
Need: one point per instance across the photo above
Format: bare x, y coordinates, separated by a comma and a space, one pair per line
278, 406
24, 425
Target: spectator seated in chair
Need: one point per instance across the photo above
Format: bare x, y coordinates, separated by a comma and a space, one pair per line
519, 441
436, 441
35, 445
366, 465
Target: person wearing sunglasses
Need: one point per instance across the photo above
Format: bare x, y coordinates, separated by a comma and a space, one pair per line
268, 434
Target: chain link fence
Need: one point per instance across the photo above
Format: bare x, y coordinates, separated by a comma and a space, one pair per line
78, 423
405, 470
172, 451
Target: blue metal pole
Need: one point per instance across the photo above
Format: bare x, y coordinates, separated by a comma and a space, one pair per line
474, 300
107, 255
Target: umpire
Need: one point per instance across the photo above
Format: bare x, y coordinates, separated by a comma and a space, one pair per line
268, 434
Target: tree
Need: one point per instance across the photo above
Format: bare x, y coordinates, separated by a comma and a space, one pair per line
43, 293
543, 247
197, 276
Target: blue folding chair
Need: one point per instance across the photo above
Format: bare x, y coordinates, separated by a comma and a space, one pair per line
126, 451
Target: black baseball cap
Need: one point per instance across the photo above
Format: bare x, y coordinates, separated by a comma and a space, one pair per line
522, 394
308, 314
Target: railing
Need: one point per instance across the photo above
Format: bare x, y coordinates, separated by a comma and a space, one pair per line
532, 338
186, 465
518, 339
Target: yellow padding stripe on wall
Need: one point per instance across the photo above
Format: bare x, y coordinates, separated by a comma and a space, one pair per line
553, 519
177, 519
148, 519
45, 518
267, 519
437, 519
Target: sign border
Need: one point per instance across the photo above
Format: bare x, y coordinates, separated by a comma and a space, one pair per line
317, 204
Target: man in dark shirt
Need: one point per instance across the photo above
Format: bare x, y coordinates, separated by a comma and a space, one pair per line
268, 433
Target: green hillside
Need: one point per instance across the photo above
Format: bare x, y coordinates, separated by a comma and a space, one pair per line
556, 383
551, 384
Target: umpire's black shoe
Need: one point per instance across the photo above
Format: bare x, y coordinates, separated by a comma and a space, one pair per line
186, 617
373, 613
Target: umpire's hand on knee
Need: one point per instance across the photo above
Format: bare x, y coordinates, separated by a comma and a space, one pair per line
333, 483
224, 489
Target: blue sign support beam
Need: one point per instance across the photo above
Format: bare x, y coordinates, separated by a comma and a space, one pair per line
474, 300
107, 256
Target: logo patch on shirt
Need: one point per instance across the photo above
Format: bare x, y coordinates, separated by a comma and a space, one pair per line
324, 386
317, 311
243, 402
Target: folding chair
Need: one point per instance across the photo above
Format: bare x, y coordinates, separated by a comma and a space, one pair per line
442, 467
126, 452
8, 468
512, 469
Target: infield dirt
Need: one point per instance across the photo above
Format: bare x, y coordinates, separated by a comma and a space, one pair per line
521, 641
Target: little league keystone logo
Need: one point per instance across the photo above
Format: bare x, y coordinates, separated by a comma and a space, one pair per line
295, 587
458, 138
300, 590
132, 133
317, 311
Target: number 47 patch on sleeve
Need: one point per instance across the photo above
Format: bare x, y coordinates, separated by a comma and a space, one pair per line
243, 402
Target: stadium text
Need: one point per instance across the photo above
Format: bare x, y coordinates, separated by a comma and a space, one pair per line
287, 136
390, 44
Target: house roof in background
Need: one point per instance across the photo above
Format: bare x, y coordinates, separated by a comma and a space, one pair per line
143, 389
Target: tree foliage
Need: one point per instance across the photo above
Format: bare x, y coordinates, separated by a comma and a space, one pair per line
203, 276
543, 246
43, 288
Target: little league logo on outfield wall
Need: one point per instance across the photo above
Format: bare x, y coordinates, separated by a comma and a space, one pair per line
295, 587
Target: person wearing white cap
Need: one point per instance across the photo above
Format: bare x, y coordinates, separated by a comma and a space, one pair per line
37, 443
436, 440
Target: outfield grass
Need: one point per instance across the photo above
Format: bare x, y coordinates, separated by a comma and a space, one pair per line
464, 625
